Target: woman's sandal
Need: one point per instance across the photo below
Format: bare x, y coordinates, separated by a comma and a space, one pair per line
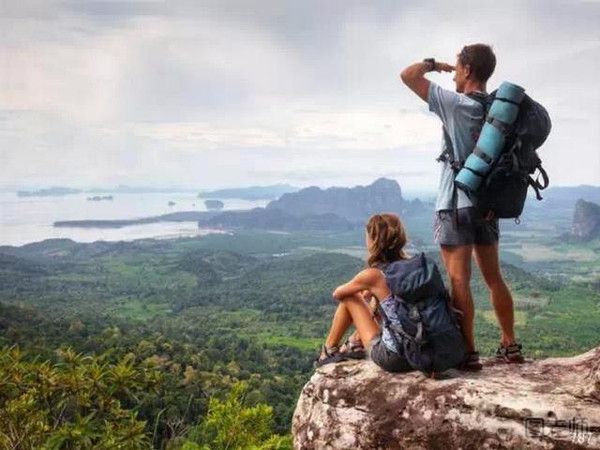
353, 349
328, 356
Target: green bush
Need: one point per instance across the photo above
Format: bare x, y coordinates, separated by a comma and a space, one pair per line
80, 402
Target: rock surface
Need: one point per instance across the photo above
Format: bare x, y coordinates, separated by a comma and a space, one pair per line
545, 404
586, 220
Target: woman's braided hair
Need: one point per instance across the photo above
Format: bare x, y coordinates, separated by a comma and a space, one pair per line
388, 239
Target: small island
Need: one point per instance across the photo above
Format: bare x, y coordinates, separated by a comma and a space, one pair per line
99, 198
213, 205
182, 216
50, 192
172, 203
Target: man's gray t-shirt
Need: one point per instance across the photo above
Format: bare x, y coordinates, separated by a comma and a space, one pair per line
461, 116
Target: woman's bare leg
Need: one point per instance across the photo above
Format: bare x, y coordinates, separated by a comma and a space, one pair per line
342, 320
352, 310
354, 337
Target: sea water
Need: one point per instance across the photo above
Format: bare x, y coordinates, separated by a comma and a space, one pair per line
30, 219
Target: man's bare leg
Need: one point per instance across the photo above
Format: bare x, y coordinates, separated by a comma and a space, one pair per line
457, 259
500, 296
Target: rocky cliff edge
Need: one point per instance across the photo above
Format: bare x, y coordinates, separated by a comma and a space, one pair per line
544, 404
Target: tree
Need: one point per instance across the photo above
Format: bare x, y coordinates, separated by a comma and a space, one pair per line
231, 424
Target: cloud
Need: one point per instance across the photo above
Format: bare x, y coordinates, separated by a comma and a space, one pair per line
317, 129
218, 93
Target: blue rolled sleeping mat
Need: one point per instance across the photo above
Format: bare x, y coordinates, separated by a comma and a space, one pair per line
501, 116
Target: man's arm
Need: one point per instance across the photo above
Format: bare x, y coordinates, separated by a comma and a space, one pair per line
414, 76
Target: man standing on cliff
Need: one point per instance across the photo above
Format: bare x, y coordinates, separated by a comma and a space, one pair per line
459, 228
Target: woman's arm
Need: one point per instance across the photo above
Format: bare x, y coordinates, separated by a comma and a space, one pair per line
364, 280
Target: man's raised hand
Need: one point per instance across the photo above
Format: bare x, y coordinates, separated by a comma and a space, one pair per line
443, 67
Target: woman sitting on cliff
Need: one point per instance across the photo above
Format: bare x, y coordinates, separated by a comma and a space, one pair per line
419, 328
385, 239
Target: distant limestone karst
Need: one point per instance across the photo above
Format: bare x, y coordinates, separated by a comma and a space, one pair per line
354, 204
276, 220
313, 208
586, 221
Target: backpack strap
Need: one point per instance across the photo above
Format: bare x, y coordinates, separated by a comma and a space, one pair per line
455, 205
481, 97
447, 154
504, 128
483, 155
537, 186
508, 100
388, 324
414, 315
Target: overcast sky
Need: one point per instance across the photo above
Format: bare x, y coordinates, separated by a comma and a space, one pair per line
228, 93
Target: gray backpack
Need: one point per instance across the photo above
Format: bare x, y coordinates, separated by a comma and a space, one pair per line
419, 317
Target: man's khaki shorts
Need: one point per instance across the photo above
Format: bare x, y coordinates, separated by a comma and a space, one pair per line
472, 228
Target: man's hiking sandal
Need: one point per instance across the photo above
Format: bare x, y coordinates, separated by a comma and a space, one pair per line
353, 349
510, 354
471, 363
328, 356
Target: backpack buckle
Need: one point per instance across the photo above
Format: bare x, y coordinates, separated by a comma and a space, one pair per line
413, 314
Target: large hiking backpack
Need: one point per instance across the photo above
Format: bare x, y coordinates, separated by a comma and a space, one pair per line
418, 315
504, 189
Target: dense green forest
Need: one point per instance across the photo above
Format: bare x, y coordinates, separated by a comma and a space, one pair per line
175, 343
